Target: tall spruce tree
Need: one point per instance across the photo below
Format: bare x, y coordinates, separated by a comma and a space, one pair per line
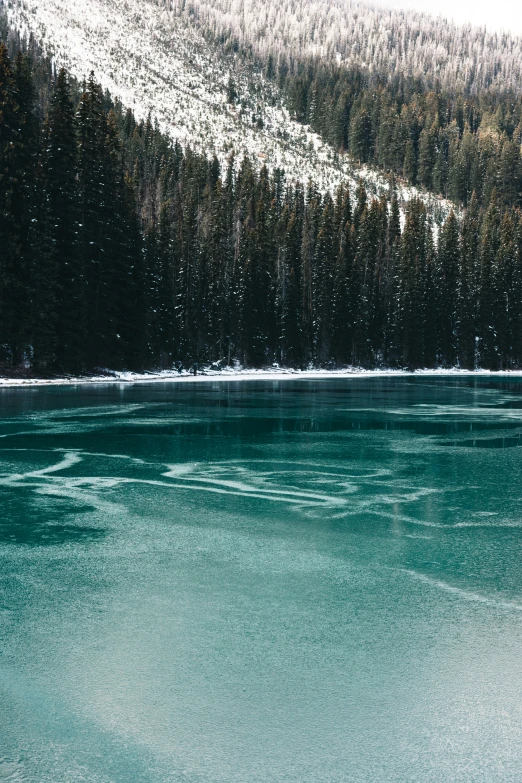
488, 298
323, 283
92, 231
342, 317
16, 171
468, 287
63, 281
412, 273
392, 342
447, 287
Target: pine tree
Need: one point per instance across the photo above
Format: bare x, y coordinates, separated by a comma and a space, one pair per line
188, 283
360, 134
92, 190
378, 290
515, 298
289, 297
427, 151
323, 277
488, 300
430, 296
116, 308
410, 162
343, 317
392, 343
16, 172
468, 284
413, 266
447, 278
220, 270
360, 285
161, 288
137, 355
61, 284
25, 205
510, 174
311, 216
505, 263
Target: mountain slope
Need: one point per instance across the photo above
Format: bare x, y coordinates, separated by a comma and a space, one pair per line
156, 61
352, 33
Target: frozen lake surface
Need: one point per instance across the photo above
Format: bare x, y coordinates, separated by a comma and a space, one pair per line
312, 581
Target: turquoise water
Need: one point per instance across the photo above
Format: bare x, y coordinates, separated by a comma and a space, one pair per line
248, 582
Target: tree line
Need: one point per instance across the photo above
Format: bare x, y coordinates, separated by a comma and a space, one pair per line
118, 249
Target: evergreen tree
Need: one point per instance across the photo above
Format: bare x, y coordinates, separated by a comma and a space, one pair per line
427, 151
447, 280
430, 296
360, 135
410, 162
488, 298
468, 285
56, 307
308, 257
515, 297
412, 273
343, 315
392, 343
323, 284
92, 252
16, 171
290, 290
505, 264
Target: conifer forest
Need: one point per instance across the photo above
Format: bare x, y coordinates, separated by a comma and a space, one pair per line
119, 249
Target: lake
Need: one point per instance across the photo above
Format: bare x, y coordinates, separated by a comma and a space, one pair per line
262, 582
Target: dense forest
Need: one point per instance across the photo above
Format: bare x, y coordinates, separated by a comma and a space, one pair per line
453, 144
453, 141
359, 34
432, 103
118, 249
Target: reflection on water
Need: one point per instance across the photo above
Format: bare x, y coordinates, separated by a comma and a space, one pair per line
263, 581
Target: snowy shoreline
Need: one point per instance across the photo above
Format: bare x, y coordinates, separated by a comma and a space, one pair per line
269, 374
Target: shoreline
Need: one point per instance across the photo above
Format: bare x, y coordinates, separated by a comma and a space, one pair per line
271, 374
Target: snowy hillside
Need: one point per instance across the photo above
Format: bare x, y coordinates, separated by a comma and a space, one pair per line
352, 32
155, 61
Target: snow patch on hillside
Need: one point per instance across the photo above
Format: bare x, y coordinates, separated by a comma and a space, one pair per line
156, 62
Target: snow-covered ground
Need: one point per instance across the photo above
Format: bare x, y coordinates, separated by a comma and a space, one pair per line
227, 375
155, 61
